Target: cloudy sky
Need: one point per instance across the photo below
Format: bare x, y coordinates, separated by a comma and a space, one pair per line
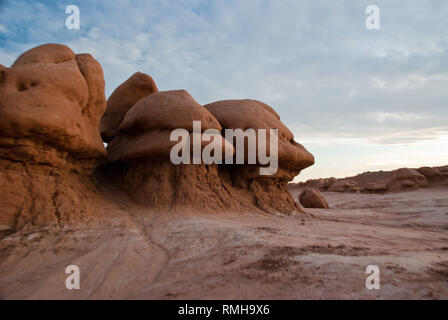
358, 99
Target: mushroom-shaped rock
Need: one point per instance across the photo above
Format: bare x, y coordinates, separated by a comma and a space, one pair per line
138, 86
344, 186
312, 198
145, 132
143, 144
269, 192
55, 97
253, 114
51, 101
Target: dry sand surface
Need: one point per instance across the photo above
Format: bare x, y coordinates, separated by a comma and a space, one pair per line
135, 254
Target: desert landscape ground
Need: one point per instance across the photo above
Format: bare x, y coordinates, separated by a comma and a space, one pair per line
136, 254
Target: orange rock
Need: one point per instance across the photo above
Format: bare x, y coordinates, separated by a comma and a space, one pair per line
312, 198
50, 108
137, 87
269, 192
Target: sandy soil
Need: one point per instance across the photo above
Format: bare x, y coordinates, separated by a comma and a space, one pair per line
136, 254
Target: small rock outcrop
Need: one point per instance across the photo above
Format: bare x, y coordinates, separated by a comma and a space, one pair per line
403, 179
312, 198
437, 176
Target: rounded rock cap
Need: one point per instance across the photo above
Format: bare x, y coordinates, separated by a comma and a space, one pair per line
138, 86
253, 114
146, 128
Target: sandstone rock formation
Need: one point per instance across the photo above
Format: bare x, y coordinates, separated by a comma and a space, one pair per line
344, 186
269, 192
52, 156
138, 86
312, 198
50, 108
138, 155
141, 148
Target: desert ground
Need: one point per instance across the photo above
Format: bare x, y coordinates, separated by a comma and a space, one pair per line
138, 254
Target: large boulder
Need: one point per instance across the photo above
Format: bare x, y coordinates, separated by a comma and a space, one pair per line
51, 101
312, 198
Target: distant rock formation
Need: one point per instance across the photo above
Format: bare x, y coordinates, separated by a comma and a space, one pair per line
403, 179
312, 198
437, 176
50, 108
345, 185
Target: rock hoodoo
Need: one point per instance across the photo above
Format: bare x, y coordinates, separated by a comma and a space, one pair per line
139, 156
404, 179
141, 149
269, 192
54, 118
50, 107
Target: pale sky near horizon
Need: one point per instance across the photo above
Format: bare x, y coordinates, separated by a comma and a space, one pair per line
357, 99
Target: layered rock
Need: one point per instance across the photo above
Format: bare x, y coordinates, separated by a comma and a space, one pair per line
50, 108
268, 192
312, 198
